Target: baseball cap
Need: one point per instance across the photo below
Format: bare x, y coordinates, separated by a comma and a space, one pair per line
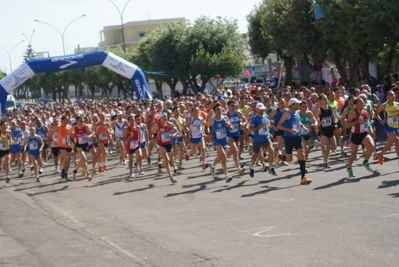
162, 114
119, 112
260, 106
293, 101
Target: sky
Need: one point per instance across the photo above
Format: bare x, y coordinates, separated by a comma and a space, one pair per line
17, 18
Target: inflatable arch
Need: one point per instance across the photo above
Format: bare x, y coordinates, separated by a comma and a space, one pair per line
105, 58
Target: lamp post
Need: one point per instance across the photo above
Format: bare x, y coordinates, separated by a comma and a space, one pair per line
121, 16
29, 39
63, 33
9, 53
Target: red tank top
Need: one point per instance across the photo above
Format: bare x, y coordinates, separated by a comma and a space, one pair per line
134, 141
80, 135
361, 127
163, 134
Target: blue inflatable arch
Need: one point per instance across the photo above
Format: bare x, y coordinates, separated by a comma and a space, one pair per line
105, 58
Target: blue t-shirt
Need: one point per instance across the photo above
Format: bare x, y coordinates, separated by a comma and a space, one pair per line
262, 134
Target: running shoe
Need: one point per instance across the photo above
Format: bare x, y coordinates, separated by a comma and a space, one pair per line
94, 172
40, 171
205, 165
105, 168
38, 179
284, 163
23, 169
141, 172
350, 172
367, 166
343, 153
74, 175
159, 168
241, 157
132, 175
305, 180
89, 178
83, 173
326, 165
241, 171
63, 173
272, 172
265, 168
180, 167
31, 168
20, 174
211, 169
7, 179
124, 162
258, 163
100, 169
228, 178
66, 176
251, 172
172, 180
380, 159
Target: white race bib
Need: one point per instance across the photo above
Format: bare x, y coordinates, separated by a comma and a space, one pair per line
327, 121
33, 145
64, 140
303, 131
134, 144
3, 146
364, 125
82, 139
235, 127
263, 131
296, 126
393, 121
102, 136
165, 137
220, 133
196, 132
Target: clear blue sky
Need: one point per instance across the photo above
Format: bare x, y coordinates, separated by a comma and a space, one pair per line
17, 18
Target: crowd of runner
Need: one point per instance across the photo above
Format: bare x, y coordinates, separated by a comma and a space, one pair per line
274, 127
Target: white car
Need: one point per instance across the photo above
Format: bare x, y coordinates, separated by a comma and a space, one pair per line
11, 102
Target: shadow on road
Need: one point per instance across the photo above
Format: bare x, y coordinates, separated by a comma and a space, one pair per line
348, 180
386, 184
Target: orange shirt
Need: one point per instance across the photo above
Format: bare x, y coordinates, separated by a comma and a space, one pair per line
62, 136
102, 133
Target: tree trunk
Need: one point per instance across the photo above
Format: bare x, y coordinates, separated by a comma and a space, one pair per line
353, 62
288, 69
340, 64
389, 62
158, 86
365, 61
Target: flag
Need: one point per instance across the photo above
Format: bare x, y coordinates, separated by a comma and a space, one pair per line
318, 13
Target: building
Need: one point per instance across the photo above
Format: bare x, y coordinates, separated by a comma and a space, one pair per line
134, 31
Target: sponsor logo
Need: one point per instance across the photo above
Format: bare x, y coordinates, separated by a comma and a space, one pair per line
119, 67
139, 89
17, 80
70, 59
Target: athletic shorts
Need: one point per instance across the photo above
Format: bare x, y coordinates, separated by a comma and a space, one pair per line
278, 133
196, 141
235, 138
4, 152
292, 142
174, 141
357, 138
306, 137
388, 129
84, 147
242, 131
55, 151
36, 155
105, 145
143, 145
328, 132
180, 139
133, 150
223, 144
257, 146
68, 149
15, 149
45, 146
168, 147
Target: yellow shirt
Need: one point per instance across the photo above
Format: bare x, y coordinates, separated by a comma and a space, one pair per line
4, 142
392, 115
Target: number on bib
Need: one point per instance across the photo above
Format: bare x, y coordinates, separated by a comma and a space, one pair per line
263, 131
393, 121
82, 139
33, 146
235, 128
134, 144
327, 121
3, 146
102, 136
364, 125
165, 137
220, 134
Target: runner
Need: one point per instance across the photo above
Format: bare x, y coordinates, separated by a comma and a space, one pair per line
164, 140
390, 123
358, 120
308, 120
5, 137
132, 137
144, 137
119, 125
34, 145
290, 123
259, 125
16, 146
81, 133
103, 131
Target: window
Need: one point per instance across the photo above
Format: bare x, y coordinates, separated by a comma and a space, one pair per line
142, 34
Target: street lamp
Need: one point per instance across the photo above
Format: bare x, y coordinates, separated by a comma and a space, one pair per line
121, 15
63, 33
9, 53
29, 39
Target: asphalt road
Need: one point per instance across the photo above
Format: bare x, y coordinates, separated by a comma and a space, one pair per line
201, 220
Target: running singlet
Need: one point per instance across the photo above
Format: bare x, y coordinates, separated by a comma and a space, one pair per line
134, 141
42, 133
163, 134
363, 126
16, 137
219, 131
196, 129
102, 133
306, 122
4, 142
326, 116
80, 135
392, 115
278, 116
262, 134
119, 126
34, 145
235, 122
293, 122
62, 136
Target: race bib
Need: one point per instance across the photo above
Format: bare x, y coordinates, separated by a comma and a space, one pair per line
263, 131
364, 125
235, 127
90, 141
15, 141
102, 136
393, 121
134, 144
196, 132
303, 131
64, 140
82, 139
327, 121
220, 133
165, 137
33, 146
3, 146
296, 126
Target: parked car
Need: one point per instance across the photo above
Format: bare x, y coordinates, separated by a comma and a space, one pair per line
19, 104
46, 100
10, 102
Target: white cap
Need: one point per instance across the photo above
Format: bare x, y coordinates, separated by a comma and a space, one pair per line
112, 114
119, 112
162, 114
260, 106
293, 101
